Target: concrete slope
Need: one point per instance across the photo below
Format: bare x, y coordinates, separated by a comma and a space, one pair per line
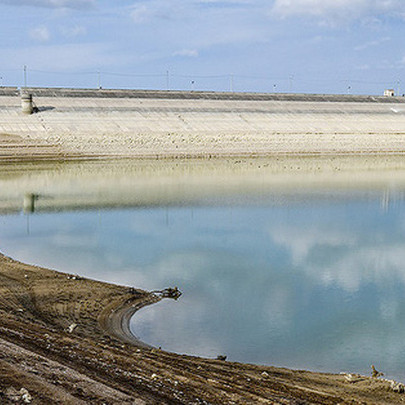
149, 124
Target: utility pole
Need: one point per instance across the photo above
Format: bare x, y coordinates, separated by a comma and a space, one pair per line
291, 78
99, 79
231, 83
167, 80
25, 76
399, 87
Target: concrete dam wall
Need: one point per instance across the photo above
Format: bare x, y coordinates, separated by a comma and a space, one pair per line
135, 123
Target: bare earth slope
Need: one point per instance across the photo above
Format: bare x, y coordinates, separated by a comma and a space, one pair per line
92, 365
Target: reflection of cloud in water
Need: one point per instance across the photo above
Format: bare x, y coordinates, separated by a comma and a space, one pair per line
351, 258
278, 309
301, 242
389, 308
372, 264
160, 325
73, 240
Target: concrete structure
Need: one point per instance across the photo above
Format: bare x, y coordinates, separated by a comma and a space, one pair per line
26, 103
389, 93
80, 122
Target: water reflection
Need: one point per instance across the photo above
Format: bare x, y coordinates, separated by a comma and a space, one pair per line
310, 276
29, 202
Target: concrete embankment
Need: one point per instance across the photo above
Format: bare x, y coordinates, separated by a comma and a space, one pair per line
134, 123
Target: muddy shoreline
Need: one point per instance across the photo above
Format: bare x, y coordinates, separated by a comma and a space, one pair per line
95, 363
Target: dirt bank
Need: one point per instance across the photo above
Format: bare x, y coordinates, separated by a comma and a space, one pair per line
92, 364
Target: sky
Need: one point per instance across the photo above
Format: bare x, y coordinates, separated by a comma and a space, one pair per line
312, 46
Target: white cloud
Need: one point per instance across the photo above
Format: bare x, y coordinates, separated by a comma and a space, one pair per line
371, 44
78, 4
191, 53
62, 58
158, 9
144, 11
141, 14
365, 66
345, 9
196, 25
75, 31
40, 34
227, 2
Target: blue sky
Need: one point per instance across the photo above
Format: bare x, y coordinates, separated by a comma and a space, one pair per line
320, 46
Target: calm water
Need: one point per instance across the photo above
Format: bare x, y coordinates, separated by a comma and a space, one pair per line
311, 279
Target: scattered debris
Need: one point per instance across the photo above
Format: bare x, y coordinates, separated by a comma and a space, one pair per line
173, 293
17, 396
375, 373
74, 277
397, 387
154, 376
265, 374
25, 396
221, 357
353, 378
25, 275
72, 327
12, 394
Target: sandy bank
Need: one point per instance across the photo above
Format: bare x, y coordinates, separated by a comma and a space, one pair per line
92, 365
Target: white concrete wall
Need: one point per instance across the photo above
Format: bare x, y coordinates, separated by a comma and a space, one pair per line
156, 126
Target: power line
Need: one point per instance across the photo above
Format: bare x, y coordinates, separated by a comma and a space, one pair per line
200, 76
132, 74
229, 80
63, 73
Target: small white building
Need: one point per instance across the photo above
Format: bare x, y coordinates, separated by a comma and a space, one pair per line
389, 92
